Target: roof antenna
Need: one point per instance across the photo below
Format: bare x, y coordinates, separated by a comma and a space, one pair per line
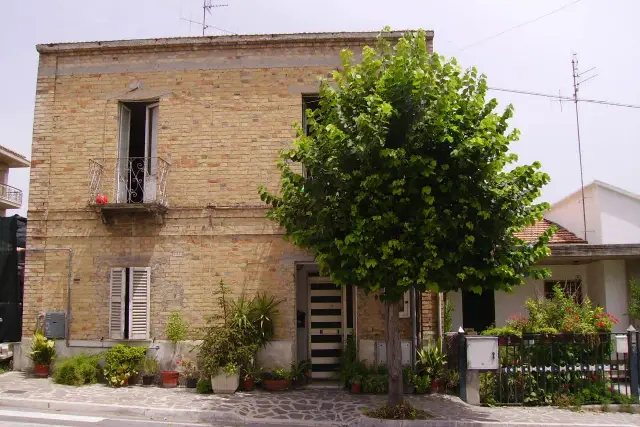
576, 86
207, 5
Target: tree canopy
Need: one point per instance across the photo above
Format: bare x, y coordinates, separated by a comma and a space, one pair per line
409, 180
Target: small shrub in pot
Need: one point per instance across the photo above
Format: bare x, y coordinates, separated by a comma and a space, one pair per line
43, 351
149, 369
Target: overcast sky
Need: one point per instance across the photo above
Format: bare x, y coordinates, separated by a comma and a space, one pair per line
534, 57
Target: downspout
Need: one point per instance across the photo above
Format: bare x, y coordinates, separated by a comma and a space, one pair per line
439, 323
414, 325
69, 280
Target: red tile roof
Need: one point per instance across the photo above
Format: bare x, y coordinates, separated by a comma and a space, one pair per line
562, 235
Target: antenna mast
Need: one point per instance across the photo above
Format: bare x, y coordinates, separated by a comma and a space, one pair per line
206, 8
576, 86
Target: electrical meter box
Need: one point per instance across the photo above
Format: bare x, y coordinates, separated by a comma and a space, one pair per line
55, 325
482, 353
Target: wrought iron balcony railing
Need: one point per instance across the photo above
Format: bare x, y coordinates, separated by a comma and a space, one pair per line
129, 180
10, 195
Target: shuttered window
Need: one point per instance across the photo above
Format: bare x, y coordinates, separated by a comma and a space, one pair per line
116, 303
129, 303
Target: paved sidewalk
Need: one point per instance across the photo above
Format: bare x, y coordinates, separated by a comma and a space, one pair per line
329, 407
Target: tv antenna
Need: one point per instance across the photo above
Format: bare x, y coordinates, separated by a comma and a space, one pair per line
578, 79
207, 5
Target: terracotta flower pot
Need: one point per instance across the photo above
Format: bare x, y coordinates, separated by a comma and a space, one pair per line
248, 384
435, 386
356, 388
276, 385
169, 379
41, 371
191, 382
147, 379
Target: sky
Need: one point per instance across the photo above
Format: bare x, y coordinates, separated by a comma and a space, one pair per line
531, 56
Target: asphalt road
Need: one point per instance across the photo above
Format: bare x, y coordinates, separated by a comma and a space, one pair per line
23, 418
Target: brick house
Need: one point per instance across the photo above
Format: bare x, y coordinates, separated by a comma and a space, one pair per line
147, 156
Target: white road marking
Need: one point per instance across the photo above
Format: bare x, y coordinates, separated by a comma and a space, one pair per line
43, 416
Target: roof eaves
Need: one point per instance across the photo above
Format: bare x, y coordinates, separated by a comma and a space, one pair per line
218, 40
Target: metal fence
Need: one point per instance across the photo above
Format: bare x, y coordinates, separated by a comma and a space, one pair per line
11, 194
537, 369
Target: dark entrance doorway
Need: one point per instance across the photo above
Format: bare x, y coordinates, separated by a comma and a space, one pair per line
478, 310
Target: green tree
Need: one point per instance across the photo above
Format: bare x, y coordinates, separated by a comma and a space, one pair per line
409, 183
634, 299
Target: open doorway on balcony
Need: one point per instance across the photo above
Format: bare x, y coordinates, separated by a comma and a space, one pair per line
137, 152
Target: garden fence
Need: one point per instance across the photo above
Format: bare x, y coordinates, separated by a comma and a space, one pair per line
536, 369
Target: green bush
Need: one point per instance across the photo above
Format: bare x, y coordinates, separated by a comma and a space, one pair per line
177, 329
122, 362
77, 370
403, 411
204, 387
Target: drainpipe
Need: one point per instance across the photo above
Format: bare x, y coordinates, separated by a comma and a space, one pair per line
439, 323
414, 325
69, 274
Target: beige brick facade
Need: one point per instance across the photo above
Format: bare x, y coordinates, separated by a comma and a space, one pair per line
226, 108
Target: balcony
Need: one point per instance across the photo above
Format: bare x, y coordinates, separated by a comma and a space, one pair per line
130, 184
10, 197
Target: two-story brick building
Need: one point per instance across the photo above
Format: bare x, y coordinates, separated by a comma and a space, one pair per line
147, 156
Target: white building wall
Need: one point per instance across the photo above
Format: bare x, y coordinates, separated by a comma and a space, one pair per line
616, 290
568, 213
619, 216
512, 303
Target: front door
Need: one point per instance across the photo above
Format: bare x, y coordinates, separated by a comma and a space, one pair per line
328, 326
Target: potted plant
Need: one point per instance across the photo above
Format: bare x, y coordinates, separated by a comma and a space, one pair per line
149, 370
43, 351
122, 362
356, 383
421, 383
249, 377
277, 380
431, 362
407, 380
176, 331
299, 372
190, 371
227, 380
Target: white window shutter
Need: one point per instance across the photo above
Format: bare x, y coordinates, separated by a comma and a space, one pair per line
139, 298
116, 303
405, 310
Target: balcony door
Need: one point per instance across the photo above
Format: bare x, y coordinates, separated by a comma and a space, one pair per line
151, 152
137, 162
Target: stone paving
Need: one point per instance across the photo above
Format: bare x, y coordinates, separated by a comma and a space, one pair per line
311, 406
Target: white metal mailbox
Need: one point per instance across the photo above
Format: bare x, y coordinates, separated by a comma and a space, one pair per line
622, 344
482, 353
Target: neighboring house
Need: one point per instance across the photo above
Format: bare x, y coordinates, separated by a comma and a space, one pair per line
147, 157
600, 269
10, 197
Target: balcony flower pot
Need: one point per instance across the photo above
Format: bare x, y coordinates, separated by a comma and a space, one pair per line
147, 379
248, 384
170, 379
276, 385
225, 384
191, 382
41, 371
356, 388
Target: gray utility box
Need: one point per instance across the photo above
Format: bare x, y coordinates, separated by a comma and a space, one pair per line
55, 325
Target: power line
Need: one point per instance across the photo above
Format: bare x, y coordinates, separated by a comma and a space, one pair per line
564, 98
519, 25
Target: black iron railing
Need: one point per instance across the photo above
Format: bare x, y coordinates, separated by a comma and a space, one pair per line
128, 180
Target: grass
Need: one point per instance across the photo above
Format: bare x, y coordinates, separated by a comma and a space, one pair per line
403, 411
4, 366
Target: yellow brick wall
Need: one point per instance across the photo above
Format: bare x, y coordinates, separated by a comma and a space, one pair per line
224, 114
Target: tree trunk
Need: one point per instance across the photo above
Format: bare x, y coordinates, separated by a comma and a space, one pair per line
394, 352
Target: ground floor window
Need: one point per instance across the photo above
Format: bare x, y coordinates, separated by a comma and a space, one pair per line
571, 288
129, 298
